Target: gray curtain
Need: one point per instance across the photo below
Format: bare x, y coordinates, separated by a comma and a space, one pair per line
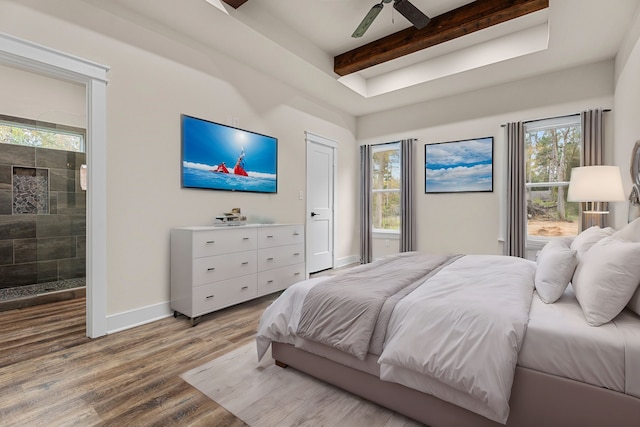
593, 154
516, 237
407, 215
366, 253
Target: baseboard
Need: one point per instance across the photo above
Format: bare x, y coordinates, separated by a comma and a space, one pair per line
130, 319
139, 316
342, 262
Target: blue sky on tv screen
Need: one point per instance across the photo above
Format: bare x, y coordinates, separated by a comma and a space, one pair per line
205, 145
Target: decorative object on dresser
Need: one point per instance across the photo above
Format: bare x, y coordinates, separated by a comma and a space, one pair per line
213, 268
232, 218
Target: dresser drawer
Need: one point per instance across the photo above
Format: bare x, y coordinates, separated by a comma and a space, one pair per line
222, 267
280, 256
269, 237
279, 278
223, 241
214, 296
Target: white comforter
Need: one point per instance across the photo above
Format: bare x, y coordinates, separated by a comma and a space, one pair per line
463, 327
279, 322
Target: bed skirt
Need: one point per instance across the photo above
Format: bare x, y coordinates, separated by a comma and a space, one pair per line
537, 399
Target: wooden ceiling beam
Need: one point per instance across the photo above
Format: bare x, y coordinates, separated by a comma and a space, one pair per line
235, 3
464, 20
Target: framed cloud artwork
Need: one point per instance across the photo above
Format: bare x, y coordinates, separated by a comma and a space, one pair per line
459, 166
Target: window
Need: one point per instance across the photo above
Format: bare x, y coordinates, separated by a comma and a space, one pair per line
385, 188
552, 149
43, 135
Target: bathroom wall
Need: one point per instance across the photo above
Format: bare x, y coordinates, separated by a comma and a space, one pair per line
42, 216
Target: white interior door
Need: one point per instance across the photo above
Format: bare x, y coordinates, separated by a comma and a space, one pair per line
320, 203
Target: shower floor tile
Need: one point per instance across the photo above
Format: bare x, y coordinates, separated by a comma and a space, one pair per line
40, 288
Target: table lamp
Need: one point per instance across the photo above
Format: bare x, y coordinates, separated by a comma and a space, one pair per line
594, 186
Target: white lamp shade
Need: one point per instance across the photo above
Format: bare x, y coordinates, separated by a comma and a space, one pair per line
595, 184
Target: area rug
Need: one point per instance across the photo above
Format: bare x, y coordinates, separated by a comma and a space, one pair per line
262, 395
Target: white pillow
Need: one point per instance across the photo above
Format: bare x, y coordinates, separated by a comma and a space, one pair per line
630, 231
606, 278
555, 266
589, 237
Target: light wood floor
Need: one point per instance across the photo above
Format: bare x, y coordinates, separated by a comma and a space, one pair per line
51, 374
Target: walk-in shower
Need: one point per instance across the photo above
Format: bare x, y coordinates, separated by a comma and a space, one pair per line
42, 211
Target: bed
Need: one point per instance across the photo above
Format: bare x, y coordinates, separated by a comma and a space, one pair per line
477, 340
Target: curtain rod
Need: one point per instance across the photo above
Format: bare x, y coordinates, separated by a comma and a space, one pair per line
548, 118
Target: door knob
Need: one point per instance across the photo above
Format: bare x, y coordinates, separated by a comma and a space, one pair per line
314, 214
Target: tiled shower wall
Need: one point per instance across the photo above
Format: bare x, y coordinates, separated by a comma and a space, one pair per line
42, 223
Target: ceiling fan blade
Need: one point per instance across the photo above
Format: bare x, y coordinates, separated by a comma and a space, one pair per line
412, 13
367, 20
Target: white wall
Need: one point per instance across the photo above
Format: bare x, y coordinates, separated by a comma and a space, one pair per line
473, 222
35, 97
150, 85
383, 246
627, 108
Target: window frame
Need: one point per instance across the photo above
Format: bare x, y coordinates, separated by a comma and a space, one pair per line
387, 146
538, 242
36, 125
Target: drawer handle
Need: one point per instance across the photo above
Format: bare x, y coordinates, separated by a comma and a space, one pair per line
270, 259
211, 268
244, 288
296, 233
269, 237
210, 242
245, 238
297, 273
245, 263
269, 281
210, 296
296, 254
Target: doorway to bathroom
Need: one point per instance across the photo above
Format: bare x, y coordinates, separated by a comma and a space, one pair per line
92, 78
42, 190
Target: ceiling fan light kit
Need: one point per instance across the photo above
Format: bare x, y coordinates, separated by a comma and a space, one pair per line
404, 7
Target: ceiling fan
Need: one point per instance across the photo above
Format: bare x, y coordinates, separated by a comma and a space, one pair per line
406, 9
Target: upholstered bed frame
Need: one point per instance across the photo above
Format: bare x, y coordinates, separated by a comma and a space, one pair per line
537, 399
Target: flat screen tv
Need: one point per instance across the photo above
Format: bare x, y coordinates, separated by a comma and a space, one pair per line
221, 157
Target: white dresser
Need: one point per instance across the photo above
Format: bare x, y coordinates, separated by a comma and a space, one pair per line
216, 267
